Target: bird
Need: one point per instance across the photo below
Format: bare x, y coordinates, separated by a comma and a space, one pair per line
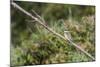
67, 35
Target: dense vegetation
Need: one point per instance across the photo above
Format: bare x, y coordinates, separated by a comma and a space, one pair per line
32, 44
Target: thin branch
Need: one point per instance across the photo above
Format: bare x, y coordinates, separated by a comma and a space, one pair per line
38, 21
69, 38
82, 50
38, 16
49, 29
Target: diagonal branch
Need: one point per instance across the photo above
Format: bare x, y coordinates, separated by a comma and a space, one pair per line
39, 21
39, 17
49, 29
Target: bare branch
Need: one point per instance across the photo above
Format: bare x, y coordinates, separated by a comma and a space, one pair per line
38, 16
49, 29
69, 38
38, 21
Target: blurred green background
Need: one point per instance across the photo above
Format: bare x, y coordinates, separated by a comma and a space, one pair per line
31, 44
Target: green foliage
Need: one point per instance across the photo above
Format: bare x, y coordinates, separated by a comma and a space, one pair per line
32, 44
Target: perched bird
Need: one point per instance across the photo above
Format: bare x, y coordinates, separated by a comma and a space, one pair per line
67, 35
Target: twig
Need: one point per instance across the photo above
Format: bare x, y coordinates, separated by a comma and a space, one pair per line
69, 38
38, 16
49, 29
35, 18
